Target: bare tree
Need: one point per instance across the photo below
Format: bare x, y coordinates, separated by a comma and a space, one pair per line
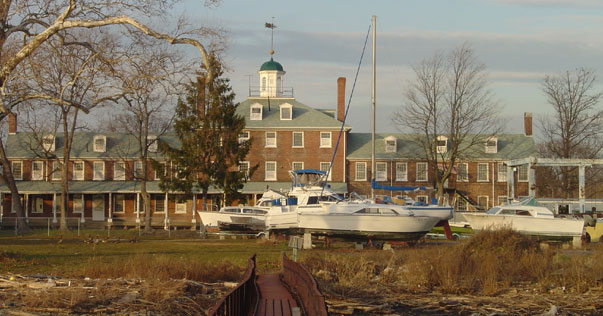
450, 108
575, 127
27, 24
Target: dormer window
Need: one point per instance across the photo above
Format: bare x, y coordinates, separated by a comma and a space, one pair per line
286, 112
390, 144
100, 144
256, 112
152, 141
492, 145
48, 143
243, 137
442, 144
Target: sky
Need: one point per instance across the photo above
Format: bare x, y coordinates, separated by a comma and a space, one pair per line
519, 41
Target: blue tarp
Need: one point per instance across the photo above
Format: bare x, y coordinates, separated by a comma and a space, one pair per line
378, 186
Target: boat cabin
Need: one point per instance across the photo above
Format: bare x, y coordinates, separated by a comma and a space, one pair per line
521, 210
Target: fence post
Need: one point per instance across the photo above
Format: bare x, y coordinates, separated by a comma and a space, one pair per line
78, 228
48, 227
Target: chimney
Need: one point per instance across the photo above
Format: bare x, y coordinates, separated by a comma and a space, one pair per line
12, 124
340, 98
527, 123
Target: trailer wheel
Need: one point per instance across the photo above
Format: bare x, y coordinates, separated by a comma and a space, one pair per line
601, 239
586, 238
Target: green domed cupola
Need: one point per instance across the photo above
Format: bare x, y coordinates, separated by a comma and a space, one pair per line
271, 65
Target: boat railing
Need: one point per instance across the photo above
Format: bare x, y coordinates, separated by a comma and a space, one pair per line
241, 300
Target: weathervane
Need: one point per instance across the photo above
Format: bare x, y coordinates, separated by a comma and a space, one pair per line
271, 26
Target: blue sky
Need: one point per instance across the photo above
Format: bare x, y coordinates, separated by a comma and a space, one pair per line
520, 41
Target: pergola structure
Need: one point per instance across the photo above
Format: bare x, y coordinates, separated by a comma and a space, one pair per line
533, 162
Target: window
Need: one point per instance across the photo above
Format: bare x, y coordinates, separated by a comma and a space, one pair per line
17, 167
243, 137
119, 203
99, 170
119, 171
441, 144
158, 203
462, 172
180, 205
492, 145
502, 172
298, 165
522, 175
482, 202
48, 143
256, 112
37, 170
78, 170
244, 168
271, 139
390, 144
160, 171
482, 172
38, 204
298, 139
401, 171
325, 139
263, 83
100, 144
461, 205
422, 171
78, 203
56, 170
381, 173
502, 200
286, 112
324, 166
138, 172
270, 171
422, 199
361, 171
152, 143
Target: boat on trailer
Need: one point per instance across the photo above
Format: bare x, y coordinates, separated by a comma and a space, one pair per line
236, 218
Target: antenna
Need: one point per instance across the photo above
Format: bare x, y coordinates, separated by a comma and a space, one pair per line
271, 26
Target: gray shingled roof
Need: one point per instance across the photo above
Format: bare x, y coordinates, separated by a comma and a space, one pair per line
304, 117
119, 145
510, 146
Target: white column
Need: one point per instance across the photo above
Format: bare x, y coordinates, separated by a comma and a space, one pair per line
137, 208
510, 184
84, 206
54, 208
1, 206
194, 208
581, 189
26, 204
110, 219
165, 208
531, 180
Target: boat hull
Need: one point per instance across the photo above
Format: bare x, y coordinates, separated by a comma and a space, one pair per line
212, 219
442, 213
544, 227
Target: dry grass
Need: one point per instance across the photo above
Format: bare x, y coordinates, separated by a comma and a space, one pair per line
151, 267
487, 263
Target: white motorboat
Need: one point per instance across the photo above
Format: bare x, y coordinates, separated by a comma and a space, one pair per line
236, 218
527, 218
312, 207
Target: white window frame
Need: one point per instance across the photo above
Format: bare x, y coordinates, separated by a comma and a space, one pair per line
324, 166
461, 205
48, 142
494, 148
458, 172
401, 175
56, 171
362, 172
272, 143
256, 116
100, 148
16, 176
293, 139
501, 176
116, 175
290, 108
34, 202
245, 137
422, 198
33, 174
297, 162
138, 172
487, 172
519, 172
426, 172
116, 197
179, 207
80, 175
390, 148
157, 175
272, 176
159, 202
77, 198
247, 164
487, 201
502, 199
325, 142
152, 142
381, 175
96, 175
441, 149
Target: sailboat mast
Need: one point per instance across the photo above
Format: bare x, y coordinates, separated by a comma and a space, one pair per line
373, 99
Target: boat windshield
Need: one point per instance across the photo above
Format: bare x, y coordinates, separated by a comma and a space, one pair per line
493, 210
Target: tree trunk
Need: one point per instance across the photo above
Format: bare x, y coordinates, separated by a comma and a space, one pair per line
65, 195
146, 201
16, 204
